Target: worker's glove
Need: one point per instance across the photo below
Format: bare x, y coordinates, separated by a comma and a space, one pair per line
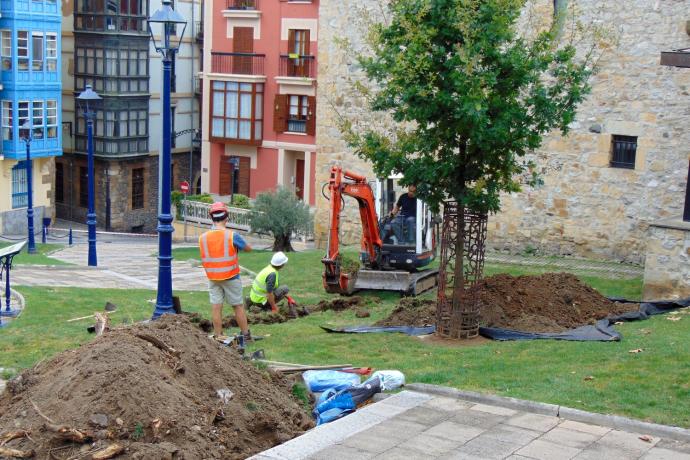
274, 309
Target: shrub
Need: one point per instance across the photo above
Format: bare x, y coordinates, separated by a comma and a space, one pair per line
240, 201
280, 213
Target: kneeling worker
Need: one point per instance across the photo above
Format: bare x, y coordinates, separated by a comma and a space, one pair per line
219, 248
266, 291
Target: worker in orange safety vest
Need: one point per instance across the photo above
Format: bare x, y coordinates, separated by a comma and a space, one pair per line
219, 248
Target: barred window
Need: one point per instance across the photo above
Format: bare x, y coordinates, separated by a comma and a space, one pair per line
137, 188
623, 151
20, 186
83, 186
59, 183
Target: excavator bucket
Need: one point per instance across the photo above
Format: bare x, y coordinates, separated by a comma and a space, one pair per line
401, 281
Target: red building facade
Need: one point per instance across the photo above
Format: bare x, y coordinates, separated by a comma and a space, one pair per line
259, 96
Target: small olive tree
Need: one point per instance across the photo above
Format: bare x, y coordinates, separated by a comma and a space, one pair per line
281, 214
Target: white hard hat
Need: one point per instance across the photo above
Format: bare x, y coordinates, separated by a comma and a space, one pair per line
279, 259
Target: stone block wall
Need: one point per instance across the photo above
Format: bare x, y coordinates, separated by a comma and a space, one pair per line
667, 262
584, 207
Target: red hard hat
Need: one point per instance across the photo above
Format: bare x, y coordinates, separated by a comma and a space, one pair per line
217, 209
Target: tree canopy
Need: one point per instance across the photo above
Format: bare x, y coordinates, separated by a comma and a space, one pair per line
469, 95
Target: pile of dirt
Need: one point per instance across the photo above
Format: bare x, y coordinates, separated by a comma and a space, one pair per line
551, 302
159, 390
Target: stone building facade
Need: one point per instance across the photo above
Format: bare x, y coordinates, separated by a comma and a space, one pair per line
588, 204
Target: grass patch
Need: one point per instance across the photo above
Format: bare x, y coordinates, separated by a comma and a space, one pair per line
652, 385
42, 256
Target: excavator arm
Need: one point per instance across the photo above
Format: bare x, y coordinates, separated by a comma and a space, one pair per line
346, 183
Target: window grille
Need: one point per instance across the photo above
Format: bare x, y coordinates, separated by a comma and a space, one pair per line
137, 188
623, 150
20, 186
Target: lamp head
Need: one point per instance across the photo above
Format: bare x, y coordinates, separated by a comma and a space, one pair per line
87, 98
162, 24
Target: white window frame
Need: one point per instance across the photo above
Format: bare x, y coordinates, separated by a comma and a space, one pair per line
38, 119
23, 51
22, 119
7, 112
52, 118
51, 51
37, 64
6, 48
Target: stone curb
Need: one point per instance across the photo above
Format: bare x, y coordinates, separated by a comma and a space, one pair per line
19, 296
60, 267
611, 421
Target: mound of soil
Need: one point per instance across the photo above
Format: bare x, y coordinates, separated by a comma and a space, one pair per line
551, 302
161, 390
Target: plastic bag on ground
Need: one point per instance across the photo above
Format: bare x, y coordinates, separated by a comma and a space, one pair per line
318, 381
390, 380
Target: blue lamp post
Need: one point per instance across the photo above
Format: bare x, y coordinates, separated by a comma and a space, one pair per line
26, 129
162, 25
86, 100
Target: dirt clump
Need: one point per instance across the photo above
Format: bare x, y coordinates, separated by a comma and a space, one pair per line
552, 302
161, 390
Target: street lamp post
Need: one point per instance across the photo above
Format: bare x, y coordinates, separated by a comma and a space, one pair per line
162, 24
86, 100
26, 128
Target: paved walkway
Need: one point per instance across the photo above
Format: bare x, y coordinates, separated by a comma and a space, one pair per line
413, 425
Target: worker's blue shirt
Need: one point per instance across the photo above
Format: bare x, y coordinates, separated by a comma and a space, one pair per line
239, 244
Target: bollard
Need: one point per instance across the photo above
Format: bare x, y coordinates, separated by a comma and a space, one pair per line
43, 234
69, 240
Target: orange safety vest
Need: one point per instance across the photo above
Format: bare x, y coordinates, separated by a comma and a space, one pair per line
218, 255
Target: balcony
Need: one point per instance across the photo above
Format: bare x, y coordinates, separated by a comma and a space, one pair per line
199, 31
242, 4
297, 66
237, 63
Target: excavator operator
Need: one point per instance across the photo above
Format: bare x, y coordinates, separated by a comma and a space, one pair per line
404, 217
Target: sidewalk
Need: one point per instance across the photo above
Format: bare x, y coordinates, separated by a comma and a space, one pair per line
415, 425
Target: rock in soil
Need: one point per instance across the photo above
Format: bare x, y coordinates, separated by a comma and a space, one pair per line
151, 394
551, 302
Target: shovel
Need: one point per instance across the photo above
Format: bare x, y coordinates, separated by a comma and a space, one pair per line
109, 308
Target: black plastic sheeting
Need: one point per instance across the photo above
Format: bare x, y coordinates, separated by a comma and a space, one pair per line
601, 331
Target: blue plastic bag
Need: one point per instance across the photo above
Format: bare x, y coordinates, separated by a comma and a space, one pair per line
332, 414
318, 381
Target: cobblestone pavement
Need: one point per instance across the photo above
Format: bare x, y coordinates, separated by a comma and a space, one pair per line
411, 425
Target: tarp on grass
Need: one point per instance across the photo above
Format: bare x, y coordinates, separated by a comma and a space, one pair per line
601, 331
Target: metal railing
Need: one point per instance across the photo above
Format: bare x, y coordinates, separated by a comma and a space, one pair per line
199, 30
238, 218
301, 66
242, 4
237, 63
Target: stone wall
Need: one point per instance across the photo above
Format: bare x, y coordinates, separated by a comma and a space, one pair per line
667, 262
585, 207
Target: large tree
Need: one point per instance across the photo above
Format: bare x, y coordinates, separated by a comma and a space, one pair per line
469, 97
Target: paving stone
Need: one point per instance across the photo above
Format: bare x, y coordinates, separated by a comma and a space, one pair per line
447, 404
400, 453
674, 445
398, 429
513, 434
545, 450
486, 447
494, 410
517, 457
408, 399
425, 415
534, 422
599, 452
371, 442
476, 418
630, 442
454, 431
585, 427
429, 445
339, 452
656, 453
570, 438
383, 409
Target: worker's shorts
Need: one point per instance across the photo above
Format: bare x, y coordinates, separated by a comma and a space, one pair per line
226, 291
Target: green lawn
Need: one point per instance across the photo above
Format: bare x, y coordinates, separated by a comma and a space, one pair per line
653, 385
42, 256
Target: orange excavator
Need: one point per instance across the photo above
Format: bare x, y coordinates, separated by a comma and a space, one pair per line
393, 251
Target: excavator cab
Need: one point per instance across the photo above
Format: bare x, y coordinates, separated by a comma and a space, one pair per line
409, 240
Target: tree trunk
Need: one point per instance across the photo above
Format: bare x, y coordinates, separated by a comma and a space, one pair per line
282, 243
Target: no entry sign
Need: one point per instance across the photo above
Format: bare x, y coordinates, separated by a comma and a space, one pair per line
184, 187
